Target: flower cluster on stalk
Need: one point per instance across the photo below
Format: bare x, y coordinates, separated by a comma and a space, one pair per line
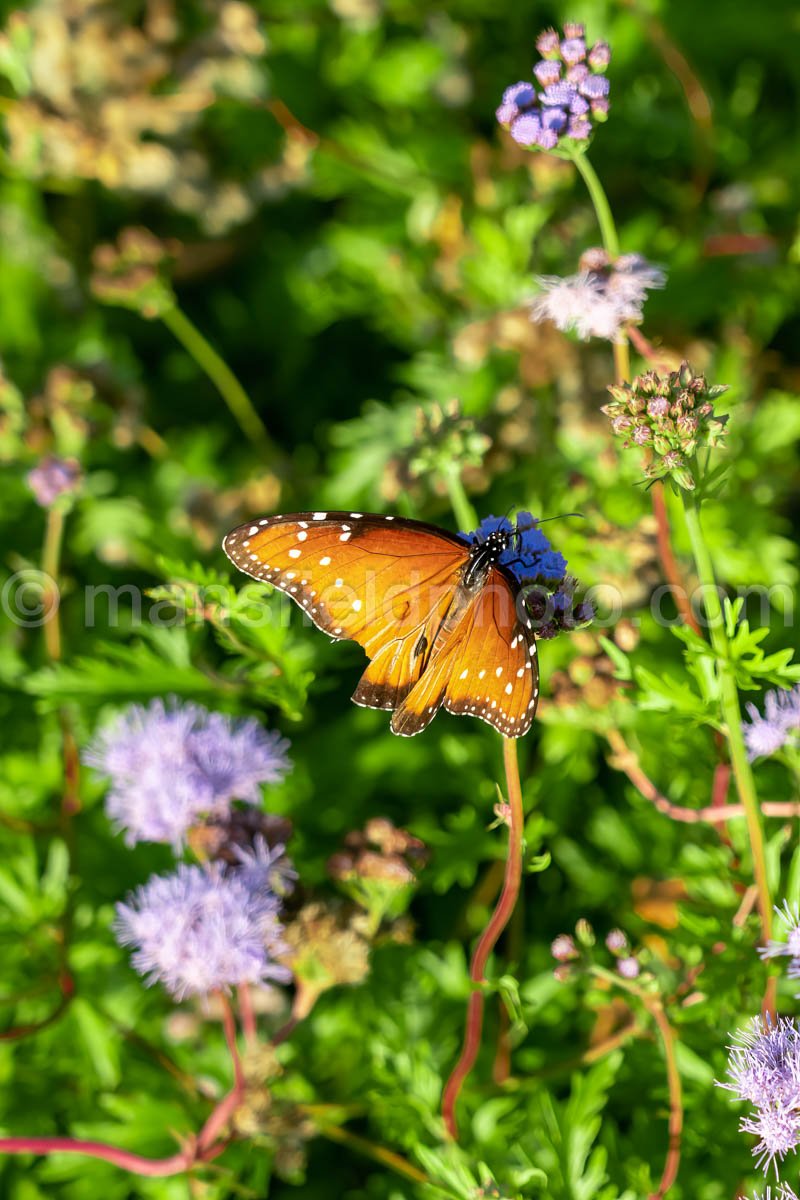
671, 416
778, 727
601, 298
568, 95
764, 1070
176, 771
52, 478
541, 572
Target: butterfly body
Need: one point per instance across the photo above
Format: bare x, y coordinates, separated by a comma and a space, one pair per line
437, 613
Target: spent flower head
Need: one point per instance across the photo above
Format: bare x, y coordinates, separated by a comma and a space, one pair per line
133, 273
202, 929
52, 478
541, 572
557, 111
170, 765
778, 727
602, 298
672, 416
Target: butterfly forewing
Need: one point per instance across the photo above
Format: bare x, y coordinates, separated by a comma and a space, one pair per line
384, 582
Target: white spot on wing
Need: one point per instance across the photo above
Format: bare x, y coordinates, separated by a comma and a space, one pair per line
323, 562
319, 516
294, 552
302, 535
356, 606
344, 537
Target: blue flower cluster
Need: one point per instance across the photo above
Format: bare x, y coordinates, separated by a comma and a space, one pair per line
541, 573
570, 92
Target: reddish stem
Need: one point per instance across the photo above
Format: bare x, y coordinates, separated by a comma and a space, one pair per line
247, 1013
624, 759
125, 1159
675, 1123
488, 940
669, 565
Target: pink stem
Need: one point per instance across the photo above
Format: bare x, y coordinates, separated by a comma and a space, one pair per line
112, 1154
488, 940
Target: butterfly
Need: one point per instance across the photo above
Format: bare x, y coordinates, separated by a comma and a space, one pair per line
442, 620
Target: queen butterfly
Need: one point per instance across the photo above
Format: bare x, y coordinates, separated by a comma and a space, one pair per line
442, 616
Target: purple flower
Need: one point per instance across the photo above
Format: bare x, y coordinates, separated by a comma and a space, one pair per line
547, 72
764, 1069
53, 477
790, 948
563, 948
766, 735
170, 765
628, 967
561, 70
778, 1131
599, 56
548, 43
595, 87
526, 129
616, 941
200, 930
266, 868
573, 50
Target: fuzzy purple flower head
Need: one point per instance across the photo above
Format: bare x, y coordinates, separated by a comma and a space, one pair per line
789, 916
778, 727
52, 478
541, 572
602, 298
764, 1070
170, 765
201, 930
570, 93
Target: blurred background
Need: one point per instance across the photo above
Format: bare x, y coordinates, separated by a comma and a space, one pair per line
332, 214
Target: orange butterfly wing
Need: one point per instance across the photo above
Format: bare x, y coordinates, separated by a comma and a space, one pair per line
496, 674
383, 582
396, 587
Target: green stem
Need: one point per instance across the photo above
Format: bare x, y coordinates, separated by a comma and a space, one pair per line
221, 376
729, 702
605, 218
465, 514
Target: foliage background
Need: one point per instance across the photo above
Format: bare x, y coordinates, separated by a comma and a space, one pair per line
361, 244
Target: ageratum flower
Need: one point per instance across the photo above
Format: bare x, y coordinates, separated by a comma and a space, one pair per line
669, 415
169, 765
602, 298
569, 94
541, 573
778, 726
790, 948
764, 1070
51, 478
201, 930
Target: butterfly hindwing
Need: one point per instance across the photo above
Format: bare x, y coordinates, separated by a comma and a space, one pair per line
496, 674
